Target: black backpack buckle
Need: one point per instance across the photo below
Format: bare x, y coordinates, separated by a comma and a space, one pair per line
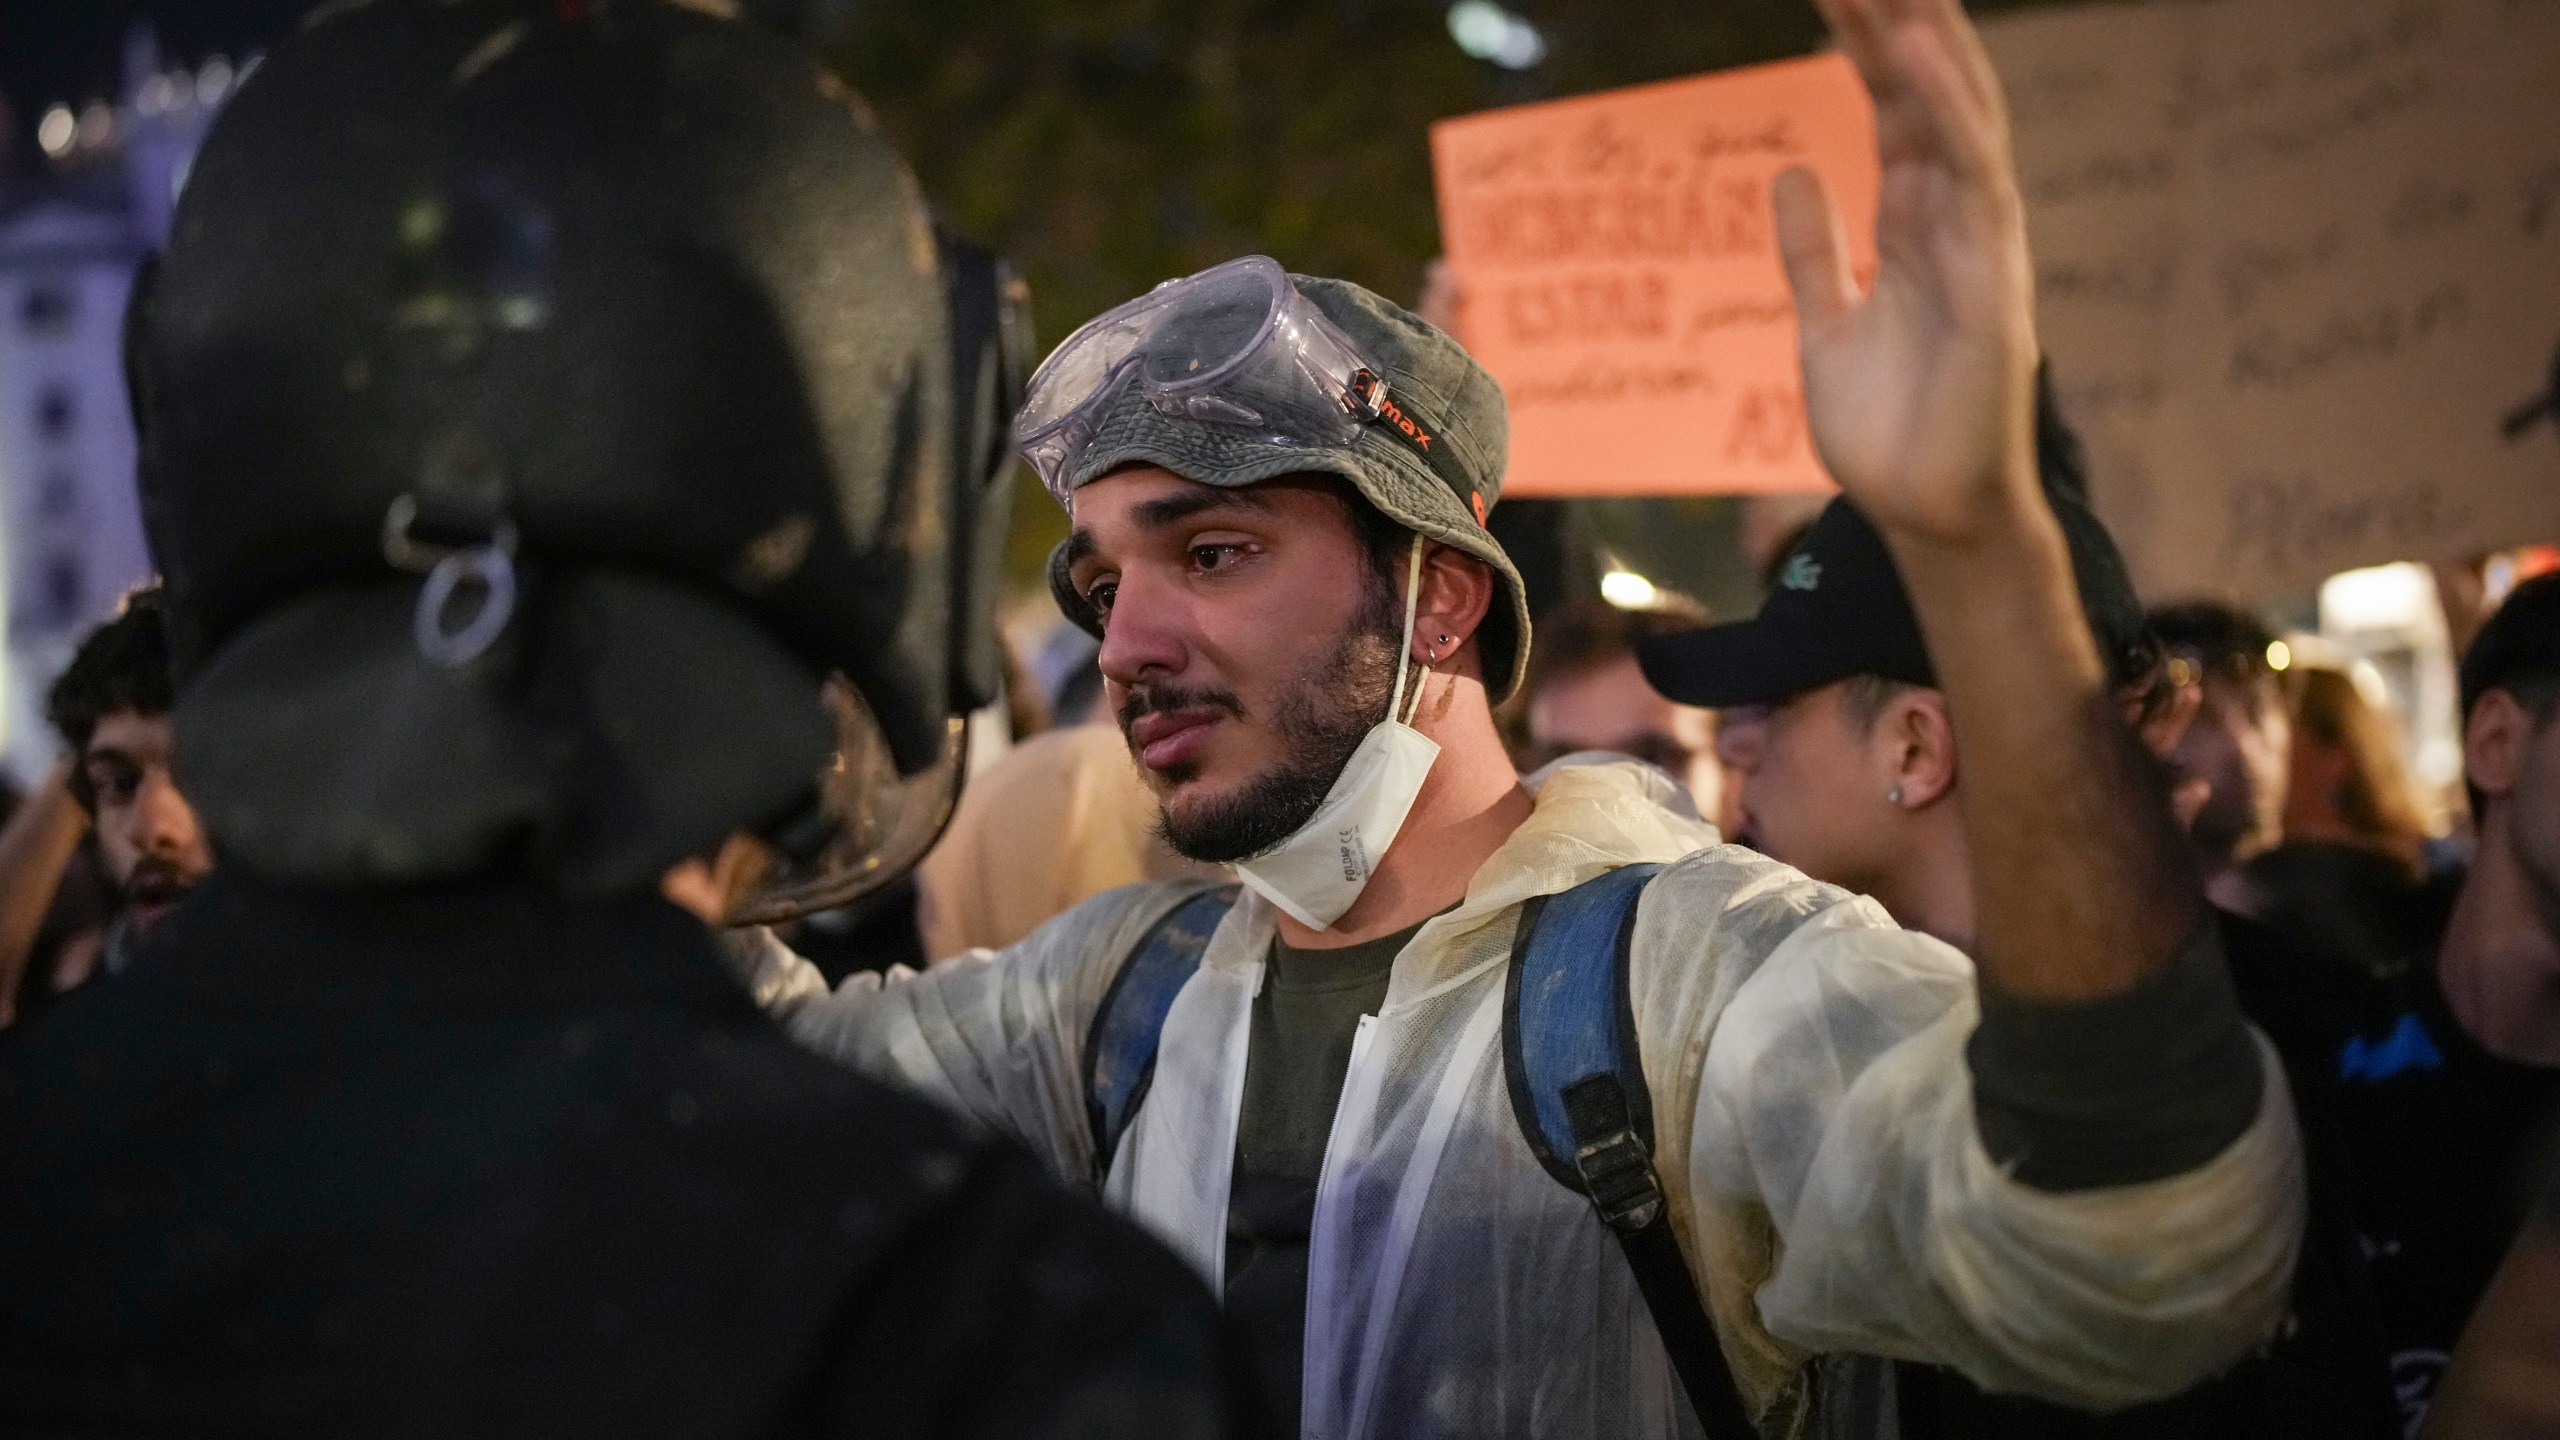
1617, 1173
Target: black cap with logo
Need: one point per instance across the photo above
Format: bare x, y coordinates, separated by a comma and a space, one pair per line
1839, 607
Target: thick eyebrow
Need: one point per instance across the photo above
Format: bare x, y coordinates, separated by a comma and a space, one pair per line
1185, 504
1174, 509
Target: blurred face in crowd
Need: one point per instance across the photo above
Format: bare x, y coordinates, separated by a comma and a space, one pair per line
1248, 646
1812, 779
1610, 707
2238, 746
147, 833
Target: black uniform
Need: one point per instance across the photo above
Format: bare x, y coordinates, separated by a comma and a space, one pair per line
539, 404
479, 1160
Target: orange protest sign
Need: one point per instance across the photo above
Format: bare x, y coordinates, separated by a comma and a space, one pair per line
1617, 271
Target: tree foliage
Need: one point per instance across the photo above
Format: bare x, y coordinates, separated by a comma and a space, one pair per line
1105, 145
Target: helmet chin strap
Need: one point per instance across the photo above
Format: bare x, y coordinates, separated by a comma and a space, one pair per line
1404, 651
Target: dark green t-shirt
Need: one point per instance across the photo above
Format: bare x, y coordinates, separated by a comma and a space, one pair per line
1303, 1023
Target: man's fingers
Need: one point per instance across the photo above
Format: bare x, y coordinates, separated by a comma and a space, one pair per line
1960, 127
1946, 19
1924, 67
1861, 36
1972, 59
1811, 244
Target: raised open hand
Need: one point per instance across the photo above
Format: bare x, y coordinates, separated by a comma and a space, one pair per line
1920, 392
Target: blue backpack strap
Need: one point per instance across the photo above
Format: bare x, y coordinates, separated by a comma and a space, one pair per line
1120, 1046
1570, 1057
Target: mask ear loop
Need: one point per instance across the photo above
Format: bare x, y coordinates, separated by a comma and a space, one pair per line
1404, 656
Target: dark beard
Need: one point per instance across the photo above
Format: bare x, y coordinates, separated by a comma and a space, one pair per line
1322, 719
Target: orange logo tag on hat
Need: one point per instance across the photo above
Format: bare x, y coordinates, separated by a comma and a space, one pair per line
1368, 396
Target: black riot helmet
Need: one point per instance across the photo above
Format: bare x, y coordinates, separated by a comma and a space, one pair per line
540, 400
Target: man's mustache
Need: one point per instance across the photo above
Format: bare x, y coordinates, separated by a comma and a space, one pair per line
1162, 699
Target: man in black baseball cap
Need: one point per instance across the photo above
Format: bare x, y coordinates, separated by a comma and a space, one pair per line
1839, 736
1832, 715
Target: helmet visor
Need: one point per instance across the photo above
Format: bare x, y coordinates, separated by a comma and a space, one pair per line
870, 826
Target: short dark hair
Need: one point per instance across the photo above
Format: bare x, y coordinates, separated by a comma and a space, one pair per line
2518, 651
122, 665
1386, 544
1864, 697
2218, 639
1383, 543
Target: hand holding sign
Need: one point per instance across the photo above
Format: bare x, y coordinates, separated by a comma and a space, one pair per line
1920, 392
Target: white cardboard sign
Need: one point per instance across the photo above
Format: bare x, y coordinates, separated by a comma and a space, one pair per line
2298, 268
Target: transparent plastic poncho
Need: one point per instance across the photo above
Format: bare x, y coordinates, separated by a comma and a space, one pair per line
1814, 1127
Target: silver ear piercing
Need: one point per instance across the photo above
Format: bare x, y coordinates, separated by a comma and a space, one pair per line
1893, 796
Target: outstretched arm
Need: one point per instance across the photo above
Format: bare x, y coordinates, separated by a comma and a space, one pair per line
2111, 1050
1920, 393
996, 1035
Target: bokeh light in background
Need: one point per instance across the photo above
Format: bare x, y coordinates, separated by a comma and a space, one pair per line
54, 132
1489, 32
1627, 590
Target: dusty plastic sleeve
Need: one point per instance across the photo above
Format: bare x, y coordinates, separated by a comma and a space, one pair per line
2133, 1088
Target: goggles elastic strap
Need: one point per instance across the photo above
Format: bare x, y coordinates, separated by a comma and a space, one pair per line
1404, 652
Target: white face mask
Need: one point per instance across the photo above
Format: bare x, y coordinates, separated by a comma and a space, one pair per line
1315, 874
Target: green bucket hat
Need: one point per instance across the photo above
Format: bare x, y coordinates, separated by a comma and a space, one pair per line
1432, 462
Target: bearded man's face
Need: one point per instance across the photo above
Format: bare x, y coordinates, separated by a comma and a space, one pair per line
1249, 644
154, 848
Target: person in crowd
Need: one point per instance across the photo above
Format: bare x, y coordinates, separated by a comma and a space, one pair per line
2345, 783
2351, 874
1584, 692
2446, 1071
111, 708
2239, 745
612, 392
1278, 537
1848, 767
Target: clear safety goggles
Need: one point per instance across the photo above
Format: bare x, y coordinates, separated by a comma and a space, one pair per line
1234, 346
